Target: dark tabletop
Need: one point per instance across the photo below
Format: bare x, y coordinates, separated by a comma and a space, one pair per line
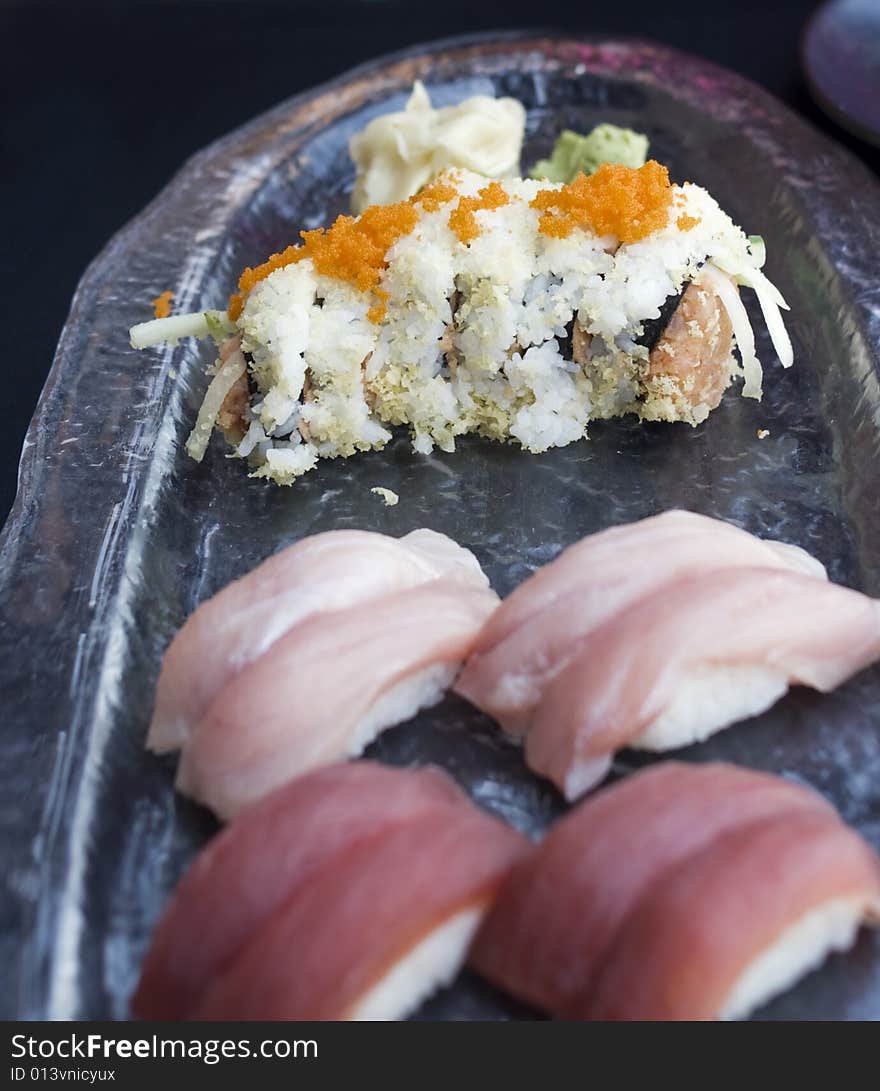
103, 102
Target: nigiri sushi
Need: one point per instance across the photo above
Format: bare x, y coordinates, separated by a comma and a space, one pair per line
517, 308
321, 693
324, 572
351, 893
692, 658
740, 922
551, 617
684, 891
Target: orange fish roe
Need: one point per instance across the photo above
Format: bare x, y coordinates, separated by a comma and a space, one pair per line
162, 304
353, 249
624, 201
235, 306
462, 219
435, 194
686, 222
377, 312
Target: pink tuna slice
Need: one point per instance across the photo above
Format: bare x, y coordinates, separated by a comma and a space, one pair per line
548, 619
797, 629
325, 572
321, 693
697, 934
333, 951
306, 905
562, 906
241, 879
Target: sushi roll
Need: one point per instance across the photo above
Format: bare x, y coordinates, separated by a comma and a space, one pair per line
682, 892
352, 893
551, 617
321, 573
517, 309
326, 689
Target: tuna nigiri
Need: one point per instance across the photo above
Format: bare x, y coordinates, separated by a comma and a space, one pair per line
548, 619
739, 923
349, 893
692, 658
574, 927
325, 690
321, 573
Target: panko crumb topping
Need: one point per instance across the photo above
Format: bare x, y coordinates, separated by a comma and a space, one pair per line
389, 497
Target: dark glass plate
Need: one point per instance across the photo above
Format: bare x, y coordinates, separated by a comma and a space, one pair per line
116, 535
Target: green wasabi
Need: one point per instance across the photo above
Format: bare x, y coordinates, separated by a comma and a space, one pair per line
574, 154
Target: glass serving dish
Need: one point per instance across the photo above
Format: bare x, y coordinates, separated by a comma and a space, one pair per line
116, 535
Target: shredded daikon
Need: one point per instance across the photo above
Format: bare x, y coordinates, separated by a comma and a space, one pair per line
388, 495
770, 300
753, 277
726, 291
228, 375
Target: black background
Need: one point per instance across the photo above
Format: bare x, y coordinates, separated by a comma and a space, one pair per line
101, 103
